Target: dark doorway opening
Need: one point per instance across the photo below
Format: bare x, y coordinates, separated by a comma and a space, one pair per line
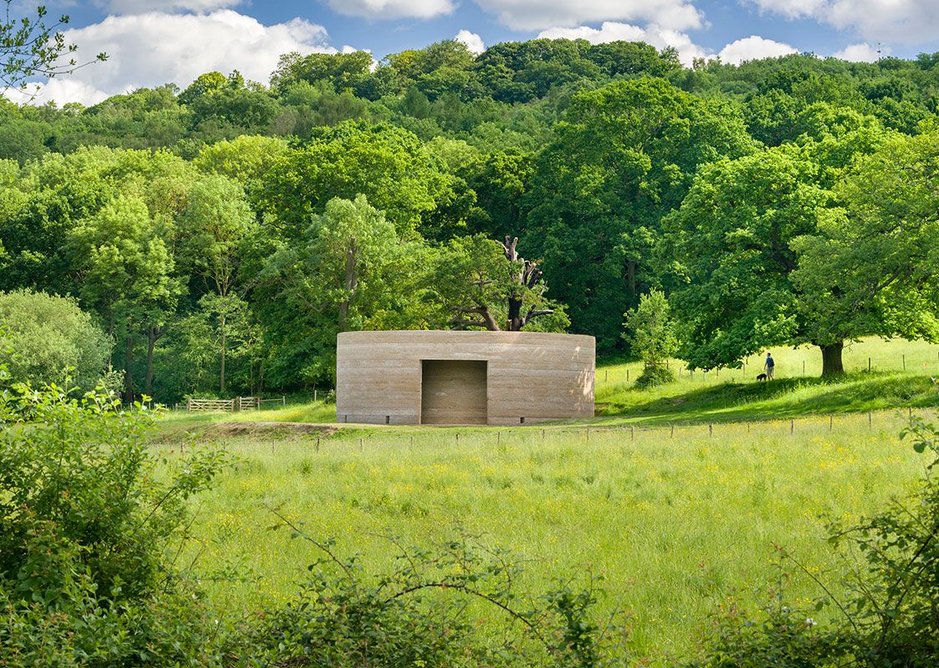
454, 392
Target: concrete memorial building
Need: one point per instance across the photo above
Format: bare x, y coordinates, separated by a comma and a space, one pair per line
463, 377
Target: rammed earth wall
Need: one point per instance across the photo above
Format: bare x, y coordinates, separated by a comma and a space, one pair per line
445, 377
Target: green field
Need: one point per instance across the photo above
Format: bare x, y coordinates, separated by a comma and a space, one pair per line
900, 376
674, 516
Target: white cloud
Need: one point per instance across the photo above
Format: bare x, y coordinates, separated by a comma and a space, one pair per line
611, 31
858, 53
392, 9
905, 21
753, 48
147, 50
472, 41
144, 6
544, 14
792, 9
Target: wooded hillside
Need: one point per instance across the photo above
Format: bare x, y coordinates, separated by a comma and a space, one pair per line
222, 235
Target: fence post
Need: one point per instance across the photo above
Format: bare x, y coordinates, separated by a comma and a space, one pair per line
868, 365
904, 362
283, 400
831, 422
870, 419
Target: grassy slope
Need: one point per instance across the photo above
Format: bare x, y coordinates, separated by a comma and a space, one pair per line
734, 395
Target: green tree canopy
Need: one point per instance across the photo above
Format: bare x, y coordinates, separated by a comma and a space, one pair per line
350, 270
485, 284
872, 267
737, 240
731, 243
126, 273
388, 165
623, 157
45, 339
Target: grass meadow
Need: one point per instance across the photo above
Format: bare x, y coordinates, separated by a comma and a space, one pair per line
676, 496
674, 522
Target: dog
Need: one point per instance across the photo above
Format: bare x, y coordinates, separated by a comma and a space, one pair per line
762, 377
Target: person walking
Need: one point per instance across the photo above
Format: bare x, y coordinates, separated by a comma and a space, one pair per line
769, 366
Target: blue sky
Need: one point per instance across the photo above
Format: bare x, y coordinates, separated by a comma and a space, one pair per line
157, 41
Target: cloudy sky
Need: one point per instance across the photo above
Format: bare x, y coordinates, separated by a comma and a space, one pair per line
157, 41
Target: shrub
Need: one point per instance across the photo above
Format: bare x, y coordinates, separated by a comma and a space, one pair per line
453, 605
651, 333
47, 338
85, 527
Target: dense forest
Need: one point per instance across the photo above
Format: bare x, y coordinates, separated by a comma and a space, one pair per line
220, 236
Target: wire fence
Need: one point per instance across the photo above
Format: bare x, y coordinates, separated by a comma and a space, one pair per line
361, 438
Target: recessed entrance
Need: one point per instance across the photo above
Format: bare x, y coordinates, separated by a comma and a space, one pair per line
453, 392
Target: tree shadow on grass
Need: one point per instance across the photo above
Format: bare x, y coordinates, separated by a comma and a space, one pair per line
783, 398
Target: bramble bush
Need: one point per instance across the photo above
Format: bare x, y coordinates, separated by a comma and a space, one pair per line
889, 615
457, 604
86, 529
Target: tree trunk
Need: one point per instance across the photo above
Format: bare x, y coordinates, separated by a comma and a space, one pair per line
222, 365
152, 337
631, 268
350, 283
832, 364
515, 315
128, 364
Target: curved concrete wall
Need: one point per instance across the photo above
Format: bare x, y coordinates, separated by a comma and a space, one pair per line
449, 377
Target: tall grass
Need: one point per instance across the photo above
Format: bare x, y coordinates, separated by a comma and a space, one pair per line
674, 521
